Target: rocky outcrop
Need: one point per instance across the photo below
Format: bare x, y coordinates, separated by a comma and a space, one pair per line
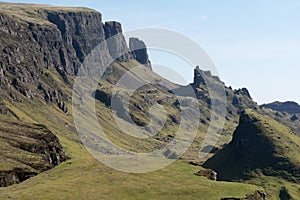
139, 51
198, 77
78, 33
39, 148
54, 40
208, 173
243, 91
31, 49
116, 43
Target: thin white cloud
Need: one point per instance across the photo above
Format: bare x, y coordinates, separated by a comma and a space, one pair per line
203, 17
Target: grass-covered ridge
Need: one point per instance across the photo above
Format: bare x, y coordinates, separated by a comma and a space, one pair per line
263, 152
36, 13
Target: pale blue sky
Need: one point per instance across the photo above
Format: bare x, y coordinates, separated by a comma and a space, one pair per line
254, 44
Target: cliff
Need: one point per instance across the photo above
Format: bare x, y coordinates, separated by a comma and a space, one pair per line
38, 38
139, 52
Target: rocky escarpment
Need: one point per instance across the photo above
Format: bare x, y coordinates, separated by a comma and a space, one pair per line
237, 100
26, 150
38, 41
116, 43
57, 41
201, 77
139, 52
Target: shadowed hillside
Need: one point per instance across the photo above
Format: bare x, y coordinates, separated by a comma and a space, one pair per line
261, 147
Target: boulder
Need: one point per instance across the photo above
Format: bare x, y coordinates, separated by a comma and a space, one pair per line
208, 173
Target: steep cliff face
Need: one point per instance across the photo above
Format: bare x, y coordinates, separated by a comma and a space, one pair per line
139, 52
78, 34
116, 43
39, 39
30, 49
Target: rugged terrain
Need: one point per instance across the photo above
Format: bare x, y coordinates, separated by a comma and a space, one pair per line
26, 150
261, 149
42, 48
289, 107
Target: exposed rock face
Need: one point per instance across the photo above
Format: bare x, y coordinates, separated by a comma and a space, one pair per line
243, 91
289, 107
77, 34
198, 77
56, 40
117, 45
258, 195
39, 147
237, 100
103, 97
208, 173
139, 52
61, 42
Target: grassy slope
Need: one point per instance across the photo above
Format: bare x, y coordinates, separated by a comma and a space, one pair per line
258, 163
14, 134
35, 12
83, 177
284, 118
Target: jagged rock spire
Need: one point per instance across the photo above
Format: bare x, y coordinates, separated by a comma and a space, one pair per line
139, 51
198, 77
116, 45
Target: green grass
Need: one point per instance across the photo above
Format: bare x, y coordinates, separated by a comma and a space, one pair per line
84, 177
263, 152
36, 13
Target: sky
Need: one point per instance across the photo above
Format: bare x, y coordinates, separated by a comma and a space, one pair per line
254, 44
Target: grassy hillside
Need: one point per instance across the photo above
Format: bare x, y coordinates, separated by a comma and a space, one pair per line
25, 150
262, 152
35, 13
83, 177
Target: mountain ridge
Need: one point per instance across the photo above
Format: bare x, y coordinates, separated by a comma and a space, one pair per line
288, 107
